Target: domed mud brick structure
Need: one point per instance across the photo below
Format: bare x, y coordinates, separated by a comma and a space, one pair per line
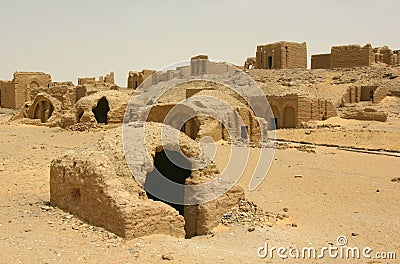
100, 187
103, 107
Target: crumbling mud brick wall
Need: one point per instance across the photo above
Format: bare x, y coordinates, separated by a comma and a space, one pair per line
352, 56
107, 107
7, 97
45, 108
97, 186
107, 80
199, 65
67, 94
386, 55
201, 126
136, 78
315, 109
250, 63
23, 83
359, 93
321, 61
281, 55
365, 114
291, 110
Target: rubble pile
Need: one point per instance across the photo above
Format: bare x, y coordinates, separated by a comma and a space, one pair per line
247, 213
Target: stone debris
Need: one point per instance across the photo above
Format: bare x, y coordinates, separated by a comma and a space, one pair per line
396, 180
299, 147
246, 213
66, 220
168, 256
84, 127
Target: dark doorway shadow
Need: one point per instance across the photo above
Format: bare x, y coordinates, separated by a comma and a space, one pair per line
101, 111
157, 186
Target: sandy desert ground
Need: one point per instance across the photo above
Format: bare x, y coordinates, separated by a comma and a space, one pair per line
326, 194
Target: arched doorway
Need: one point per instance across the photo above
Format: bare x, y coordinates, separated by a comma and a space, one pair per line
274, 122
156, 185
34, 84
43, 111
289, 117
101, 111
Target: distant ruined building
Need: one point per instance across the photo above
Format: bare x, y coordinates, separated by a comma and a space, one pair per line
350, 56
103, 80
136, 78
14, 93
279, 55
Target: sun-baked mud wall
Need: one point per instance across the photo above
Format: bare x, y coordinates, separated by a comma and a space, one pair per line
358, 93
314, 109
25, 82
7, 89
292, 110
68, 95
352, 56
295, 56
284, 110
321, 61
281, 55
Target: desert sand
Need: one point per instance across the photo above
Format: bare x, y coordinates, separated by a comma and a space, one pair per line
325, 193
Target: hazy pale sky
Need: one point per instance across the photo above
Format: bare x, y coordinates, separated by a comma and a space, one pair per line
71, 39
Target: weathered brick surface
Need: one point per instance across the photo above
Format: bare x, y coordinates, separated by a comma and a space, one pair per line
321, 61
352, 56
281, 55
15, 93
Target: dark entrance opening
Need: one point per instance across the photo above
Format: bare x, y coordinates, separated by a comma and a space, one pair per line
78, 118
176, 170
43, 111
371, 95
101, 111
243, 132
367, 93
273, 124
269, 62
